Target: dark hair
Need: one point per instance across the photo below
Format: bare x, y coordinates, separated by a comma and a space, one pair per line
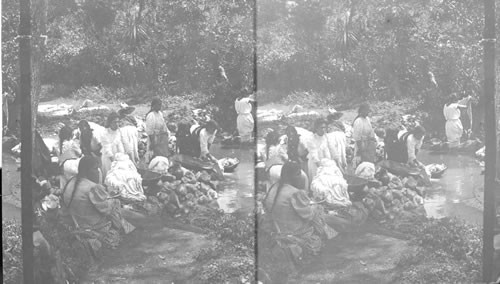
65, 133
272, 138
363, 107
84, 166
83, 124
112, 116
212, 124
418, 131
293, 143
317, 123
288, 172
154, 101
453, 97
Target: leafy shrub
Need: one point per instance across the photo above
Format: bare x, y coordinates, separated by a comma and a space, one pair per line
448, 251
12, 252
232, 258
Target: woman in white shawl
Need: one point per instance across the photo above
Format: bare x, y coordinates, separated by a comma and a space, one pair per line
124, 179
329, 185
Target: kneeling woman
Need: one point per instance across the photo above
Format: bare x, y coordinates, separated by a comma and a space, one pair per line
407, 146
91, 206
197, 141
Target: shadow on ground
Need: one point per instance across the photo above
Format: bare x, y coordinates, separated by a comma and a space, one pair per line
153, 253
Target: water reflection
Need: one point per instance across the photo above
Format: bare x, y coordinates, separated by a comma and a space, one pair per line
454, 191
238, 187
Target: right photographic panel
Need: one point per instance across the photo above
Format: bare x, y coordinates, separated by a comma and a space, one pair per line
377, 142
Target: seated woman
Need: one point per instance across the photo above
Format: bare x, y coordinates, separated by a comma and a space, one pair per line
276, 156
124, 179
111, 142
69, 155
91, 206
298, 223
330, 186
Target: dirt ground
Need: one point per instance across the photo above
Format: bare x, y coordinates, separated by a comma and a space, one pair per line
153, 253
357, 258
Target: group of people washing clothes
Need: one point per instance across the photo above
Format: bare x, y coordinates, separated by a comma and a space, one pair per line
307, 200
100, 165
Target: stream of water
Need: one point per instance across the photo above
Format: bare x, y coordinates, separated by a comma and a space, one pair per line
456, 186
238, 187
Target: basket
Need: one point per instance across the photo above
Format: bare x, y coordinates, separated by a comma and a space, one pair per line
438, 174
149, 177
355, 185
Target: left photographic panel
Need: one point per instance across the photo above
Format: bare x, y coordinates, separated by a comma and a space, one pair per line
141, 120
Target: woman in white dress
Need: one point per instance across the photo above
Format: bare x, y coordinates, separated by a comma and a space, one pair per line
245, 121
451, 111
111, 143
317, 147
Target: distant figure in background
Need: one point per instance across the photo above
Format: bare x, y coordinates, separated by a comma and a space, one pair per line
245, 120
111, 143
451, 111
155, 126
364, 135
129, 133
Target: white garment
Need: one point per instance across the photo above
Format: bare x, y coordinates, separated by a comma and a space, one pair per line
317, 146
244, 122
365, 170
154, 125
159, 164
454, 128
337, 144
330, 185
111, 145
130, 141
124, 178
412, 144
205, 139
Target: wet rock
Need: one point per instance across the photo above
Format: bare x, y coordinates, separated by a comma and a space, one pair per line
411, 183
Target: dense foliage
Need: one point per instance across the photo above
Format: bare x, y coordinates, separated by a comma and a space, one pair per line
232, 258
383, 49
140, 47
448, 251
12, 260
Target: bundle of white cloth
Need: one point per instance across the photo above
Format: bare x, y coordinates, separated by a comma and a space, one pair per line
329, 185
124, 178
